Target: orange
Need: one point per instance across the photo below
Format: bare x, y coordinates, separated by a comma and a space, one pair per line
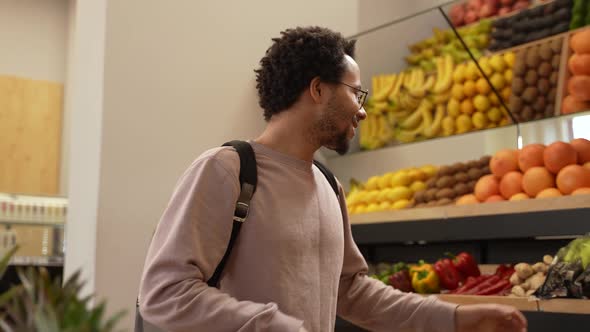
581, 191
531, 155
549, 192
582, 147
519, 197
572, 177
511, 184
494, 198
504, 161
485, 187
558, 155
467, 199
536, 179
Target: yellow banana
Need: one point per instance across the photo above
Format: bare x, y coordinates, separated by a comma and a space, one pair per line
426, 115
442, 98
397, 87
434, 128
420, 92
364, 134
444, 67
407, 136
375, 83
412, 121
385, 133
379, 107
408, 102
387, 85
419, 80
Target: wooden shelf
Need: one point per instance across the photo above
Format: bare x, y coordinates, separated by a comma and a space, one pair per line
566, 306
521, 303
483, 209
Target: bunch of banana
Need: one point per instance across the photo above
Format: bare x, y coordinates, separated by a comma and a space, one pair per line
376, 130
383, 85
417, 85
433, 127
415, 124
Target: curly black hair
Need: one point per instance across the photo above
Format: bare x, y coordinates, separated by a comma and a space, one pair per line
294, 59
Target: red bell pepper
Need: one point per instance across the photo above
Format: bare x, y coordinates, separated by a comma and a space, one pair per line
504, 271
466, 264
470, 283
494, 279
447, 273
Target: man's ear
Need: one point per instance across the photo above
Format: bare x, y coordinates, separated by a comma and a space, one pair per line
315, 89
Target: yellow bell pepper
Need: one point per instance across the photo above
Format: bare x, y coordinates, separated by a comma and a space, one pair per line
424, 279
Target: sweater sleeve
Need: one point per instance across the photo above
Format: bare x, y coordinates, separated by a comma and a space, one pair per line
371, 304
189, 242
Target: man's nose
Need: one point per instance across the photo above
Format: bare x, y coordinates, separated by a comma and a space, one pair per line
362, 114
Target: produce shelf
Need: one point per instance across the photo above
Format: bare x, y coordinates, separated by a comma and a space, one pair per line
521, 303
559, 216
566, 306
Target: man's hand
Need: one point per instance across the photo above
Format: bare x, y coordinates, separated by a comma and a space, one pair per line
489, 318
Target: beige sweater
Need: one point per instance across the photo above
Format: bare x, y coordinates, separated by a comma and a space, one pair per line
294, 263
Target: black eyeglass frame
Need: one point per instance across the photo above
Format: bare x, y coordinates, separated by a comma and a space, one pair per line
362, 98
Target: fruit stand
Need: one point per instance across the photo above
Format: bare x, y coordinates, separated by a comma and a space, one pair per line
478, 143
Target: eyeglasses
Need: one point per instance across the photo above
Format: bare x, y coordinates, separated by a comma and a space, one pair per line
361, 95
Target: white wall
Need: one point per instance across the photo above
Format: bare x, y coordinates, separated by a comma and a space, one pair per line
178, 79
33, 38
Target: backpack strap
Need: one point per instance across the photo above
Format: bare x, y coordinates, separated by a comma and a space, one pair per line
248, 181
329, 176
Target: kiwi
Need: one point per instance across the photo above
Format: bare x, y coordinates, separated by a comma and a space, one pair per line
553, 78
549, 111
515, 104
446, 181
445, 193
527, 113
471, 185
460, 189
551, 95
530, 94
531, 77
420, 196
474, 173
539, 104
556, 45
486, 170
532, 59
555, 61
430, 194
545, 52
458, 167
471, 164
519, 65
517, 85
431, 183
461, 177
444, 201
543, 85
444, 170
545, 69
484, 161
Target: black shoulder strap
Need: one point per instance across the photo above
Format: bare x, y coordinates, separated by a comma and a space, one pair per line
329, 176
248, 181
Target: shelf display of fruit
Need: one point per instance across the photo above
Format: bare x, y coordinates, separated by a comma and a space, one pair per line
443, 42
578, 84
534, 87
531, 24
450, 182
474, 10
580, 14
535, 171
390, 191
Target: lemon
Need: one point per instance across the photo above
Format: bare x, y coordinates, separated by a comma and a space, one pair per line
453, 107
498, 81
467, 106
480, 120
494, 101
430, 170
361, 208
482, 86
509, 58
372, 197
417, 175
481, 103
469, 89
508, 74
506, 92
448, 125
400, 179
417, 186
372, 183
459, 74
373, 207
497, 63
484, 63
463, 123
382, 194
471, 73
400, 192
384, 181
401, 204
384, 206
494, 114
457, 91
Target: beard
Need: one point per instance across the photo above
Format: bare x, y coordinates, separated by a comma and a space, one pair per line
327, 132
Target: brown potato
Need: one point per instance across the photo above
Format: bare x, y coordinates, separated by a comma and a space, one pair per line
545, 69
555, 61
530, 94
486, 170
484, 161
460, 189
430, 194
431, 183
474, 173
446, 181
444, 170
420, 196
445, 193
471, 185
543, 85
444, 201
461, 177
531, 77
518, 85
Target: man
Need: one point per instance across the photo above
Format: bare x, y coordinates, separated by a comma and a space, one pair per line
294, 266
